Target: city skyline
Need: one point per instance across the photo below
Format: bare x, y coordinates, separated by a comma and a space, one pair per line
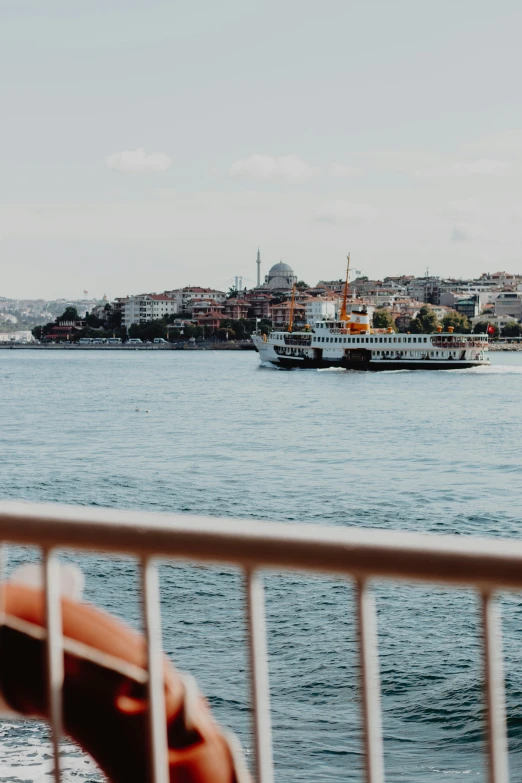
148, 149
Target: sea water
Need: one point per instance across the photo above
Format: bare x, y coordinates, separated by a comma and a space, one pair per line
216, 433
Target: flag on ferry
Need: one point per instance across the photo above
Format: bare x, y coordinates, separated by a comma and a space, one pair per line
491, 329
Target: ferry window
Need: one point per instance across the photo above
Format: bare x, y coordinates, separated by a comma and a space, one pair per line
394, 339
425, 339
409, 339
358, 339
380, 339
367, 339
414, 339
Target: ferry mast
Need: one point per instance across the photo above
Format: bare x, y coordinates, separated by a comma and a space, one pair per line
291, 318
343, 316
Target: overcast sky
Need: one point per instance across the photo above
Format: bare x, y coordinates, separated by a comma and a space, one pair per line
150, 145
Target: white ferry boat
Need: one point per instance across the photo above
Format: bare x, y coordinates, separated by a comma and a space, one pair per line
351, 343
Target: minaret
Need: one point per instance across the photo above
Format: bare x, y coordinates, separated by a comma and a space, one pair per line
258, 262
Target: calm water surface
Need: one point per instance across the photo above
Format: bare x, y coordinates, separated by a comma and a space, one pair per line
435, 452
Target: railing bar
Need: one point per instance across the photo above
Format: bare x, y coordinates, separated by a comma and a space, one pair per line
55, 669
485, 563
370, 684
157, 723
496, 728
3, 578
260, 685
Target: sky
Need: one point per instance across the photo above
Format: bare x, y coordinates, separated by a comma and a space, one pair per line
151, 145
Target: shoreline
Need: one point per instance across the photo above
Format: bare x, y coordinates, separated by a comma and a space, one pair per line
242, 346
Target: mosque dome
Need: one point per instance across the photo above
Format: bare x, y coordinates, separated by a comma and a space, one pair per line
281, 270
281, 276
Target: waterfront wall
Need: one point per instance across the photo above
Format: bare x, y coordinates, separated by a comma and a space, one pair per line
244, 345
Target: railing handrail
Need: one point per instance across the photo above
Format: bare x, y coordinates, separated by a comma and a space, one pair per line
361, 552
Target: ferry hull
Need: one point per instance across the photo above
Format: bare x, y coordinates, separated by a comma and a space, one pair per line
373, 366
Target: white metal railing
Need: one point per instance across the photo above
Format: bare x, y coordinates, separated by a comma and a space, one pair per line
483, 564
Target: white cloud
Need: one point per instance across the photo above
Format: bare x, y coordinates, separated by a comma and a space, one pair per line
266, 167
483, 167
138, 161
344, 212
467, 206
463, 232
461, 210
340, 170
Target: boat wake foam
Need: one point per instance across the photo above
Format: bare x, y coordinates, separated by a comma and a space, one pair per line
31, 762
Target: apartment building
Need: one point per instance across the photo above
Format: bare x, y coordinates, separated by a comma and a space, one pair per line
147, 307
236, 309
318, 308
280, 314
190, 295
509, 303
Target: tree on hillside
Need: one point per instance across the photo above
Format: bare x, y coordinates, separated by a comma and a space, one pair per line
39, 332
425, 323
240, 327
459, 322
232, 292
383, 319
226, 334
113, 317
69, 314
198, 332
93, 321
149, 330
482, 328
301, 285
512, 329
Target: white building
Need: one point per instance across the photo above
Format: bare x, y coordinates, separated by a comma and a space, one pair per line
147, 307
188, 296
509, 303
22, 336
317, 309
488, 318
